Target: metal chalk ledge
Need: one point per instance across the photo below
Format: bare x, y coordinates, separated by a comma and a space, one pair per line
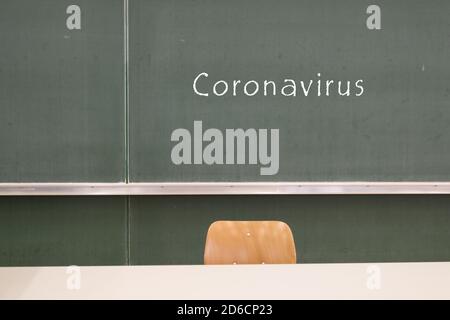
222, 188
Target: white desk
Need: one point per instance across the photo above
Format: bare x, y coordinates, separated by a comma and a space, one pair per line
302, 281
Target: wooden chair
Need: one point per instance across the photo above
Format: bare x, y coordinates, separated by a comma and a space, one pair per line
249, 242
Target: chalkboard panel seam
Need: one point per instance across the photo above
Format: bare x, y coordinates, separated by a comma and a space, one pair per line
126, 50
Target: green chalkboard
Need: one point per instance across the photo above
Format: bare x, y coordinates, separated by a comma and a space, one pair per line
397, 129
63, 231
327, 229
62, 91
163, 230
315, 90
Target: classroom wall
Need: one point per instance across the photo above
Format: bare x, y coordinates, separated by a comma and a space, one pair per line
166, 230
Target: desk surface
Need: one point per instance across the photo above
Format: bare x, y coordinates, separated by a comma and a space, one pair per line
301, 281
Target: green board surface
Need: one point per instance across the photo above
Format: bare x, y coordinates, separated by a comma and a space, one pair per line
64, 119
65, 116
47, 231
61, 92
167, 230
397, 130
326, 229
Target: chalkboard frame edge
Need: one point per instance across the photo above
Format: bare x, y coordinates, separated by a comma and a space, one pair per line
222, 188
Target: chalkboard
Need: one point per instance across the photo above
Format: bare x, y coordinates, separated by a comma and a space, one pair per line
63, 231
163, 230
327, 229
393, 125
224, 91
62, 91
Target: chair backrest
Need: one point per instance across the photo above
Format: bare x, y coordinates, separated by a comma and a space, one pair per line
249, 242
